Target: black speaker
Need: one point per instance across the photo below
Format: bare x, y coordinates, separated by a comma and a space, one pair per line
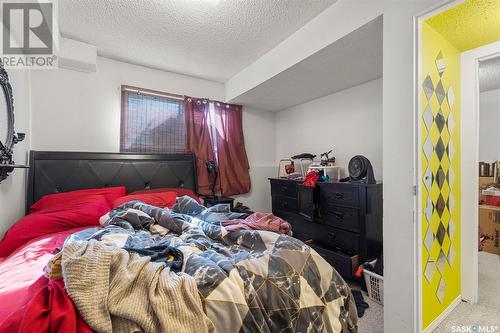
361, 170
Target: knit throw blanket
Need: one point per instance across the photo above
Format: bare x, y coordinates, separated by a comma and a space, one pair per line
115, 291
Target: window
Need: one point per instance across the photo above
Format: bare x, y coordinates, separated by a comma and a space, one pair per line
152, 122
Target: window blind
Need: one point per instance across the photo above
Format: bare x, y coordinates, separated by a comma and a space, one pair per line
152, 123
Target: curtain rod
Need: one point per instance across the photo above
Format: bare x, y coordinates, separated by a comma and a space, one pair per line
151, 92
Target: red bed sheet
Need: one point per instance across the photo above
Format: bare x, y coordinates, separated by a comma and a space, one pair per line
20, 270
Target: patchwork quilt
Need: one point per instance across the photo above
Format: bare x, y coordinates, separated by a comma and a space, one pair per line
248, 281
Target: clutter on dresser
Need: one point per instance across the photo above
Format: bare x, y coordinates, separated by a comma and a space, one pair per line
295, 167
326, 160
326, 172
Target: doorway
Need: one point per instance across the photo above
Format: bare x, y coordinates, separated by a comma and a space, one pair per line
489, 183
447, 136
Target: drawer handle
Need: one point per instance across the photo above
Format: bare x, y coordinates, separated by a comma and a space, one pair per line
339, 196
331, 235
339, 216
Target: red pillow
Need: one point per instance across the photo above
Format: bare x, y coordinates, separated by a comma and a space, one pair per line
180, 192
58, 200
79, 212
160, 199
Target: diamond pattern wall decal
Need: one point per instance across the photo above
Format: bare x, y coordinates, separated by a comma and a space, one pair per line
428, 87
440, 205
440, 121
451, 202
428, 117
440, 177
440, 233
428, 209
428, 148
430, 269
439, 136
451, 123
429, 239
441, 290
446, 244
450, 96
451, 228
440, 93
451, 150
451, 177
452, 255
440, 149
441, 262
440, 64
428, 178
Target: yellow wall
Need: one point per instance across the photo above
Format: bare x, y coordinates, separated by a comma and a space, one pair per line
440, 162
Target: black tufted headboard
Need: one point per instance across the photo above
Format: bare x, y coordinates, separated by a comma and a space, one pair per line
54, 172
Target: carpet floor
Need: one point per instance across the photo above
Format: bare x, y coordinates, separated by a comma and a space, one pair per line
487, 311
373, 319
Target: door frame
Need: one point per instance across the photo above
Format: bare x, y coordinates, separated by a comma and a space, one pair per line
470, 166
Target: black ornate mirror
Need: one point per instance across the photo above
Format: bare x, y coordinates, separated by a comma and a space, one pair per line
8, 137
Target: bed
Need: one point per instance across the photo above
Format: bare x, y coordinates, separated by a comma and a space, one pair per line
244, 281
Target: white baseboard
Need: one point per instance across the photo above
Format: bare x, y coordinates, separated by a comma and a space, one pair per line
443, 315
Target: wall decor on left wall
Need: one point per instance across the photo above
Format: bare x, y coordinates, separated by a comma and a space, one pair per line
8, 136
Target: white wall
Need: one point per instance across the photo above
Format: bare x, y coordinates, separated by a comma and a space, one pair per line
259, 129
13, 189
74, 111
489, 121
401, 278
349, 121
81, 111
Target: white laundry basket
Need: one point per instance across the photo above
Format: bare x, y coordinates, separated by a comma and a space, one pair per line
374, 285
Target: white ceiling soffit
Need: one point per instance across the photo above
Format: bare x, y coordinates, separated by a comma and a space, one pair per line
350, 61
212, 39
489, 74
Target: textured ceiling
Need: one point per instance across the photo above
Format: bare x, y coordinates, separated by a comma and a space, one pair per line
470, 24
489, 74
352, 60
212, 39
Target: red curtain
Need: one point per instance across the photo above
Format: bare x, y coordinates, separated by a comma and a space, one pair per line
234, 176
199, 141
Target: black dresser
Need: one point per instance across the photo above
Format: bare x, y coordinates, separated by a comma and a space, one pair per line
341, 221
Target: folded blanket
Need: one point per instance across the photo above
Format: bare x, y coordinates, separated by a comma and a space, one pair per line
259, 221
115, 291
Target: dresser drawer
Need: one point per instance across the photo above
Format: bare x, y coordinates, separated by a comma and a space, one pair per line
340, 217
339, 239
344, 264
286, 204
287, 188
339, 194
301, 229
